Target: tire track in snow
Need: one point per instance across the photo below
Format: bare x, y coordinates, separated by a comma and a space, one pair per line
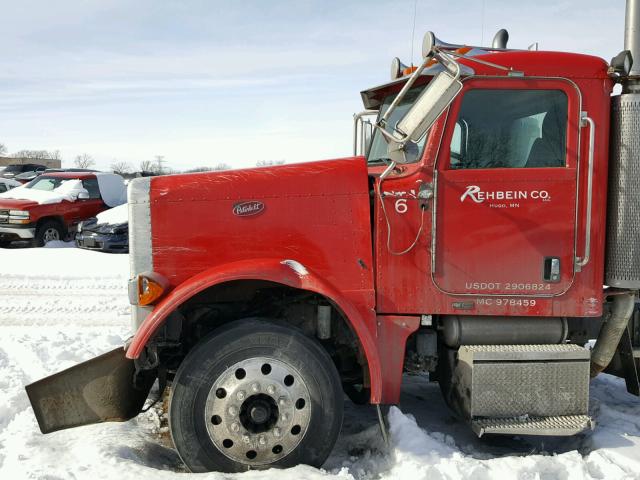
58, 300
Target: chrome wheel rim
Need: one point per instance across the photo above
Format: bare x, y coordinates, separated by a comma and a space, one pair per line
258, 411
51, 234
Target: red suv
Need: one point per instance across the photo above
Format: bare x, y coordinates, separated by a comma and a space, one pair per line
50, 206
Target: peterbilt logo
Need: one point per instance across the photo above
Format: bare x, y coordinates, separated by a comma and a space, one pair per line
475, 193
245, 209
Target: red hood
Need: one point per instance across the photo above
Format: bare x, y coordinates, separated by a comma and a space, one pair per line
316, 213
16, 204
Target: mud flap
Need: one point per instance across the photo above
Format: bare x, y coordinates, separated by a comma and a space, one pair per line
99, 390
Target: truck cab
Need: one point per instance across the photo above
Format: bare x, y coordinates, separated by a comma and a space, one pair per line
516, 221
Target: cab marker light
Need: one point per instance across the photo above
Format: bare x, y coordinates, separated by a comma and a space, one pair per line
151, 286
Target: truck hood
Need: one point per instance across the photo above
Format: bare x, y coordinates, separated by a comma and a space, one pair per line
16, 204
316, 213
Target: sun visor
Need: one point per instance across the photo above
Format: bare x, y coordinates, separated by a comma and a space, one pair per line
373, 97
112, 189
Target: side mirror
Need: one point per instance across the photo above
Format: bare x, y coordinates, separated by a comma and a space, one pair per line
84, 195
428, 107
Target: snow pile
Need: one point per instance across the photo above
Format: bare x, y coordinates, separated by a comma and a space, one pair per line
62, 286
114, 216
62, 306
68, 190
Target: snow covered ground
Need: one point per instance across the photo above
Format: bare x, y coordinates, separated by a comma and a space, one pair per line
60, 306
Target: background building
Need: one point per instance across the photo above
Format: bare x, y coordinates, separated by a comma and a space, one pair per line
47, 162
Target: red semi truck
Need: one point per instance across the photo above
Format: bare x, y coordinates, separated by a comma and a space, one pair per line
471, 241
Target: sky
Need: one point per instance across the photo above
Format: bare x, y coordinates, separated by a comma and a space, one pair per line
204, 82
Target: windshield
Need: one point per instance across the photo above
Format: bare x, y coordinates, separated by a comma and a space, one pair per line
13, 168
46, 184
378, 151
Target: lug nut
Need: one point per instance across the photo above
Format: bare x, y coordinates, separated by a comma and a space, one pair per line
245, 438
276, 432
271, 389
241, 395
282, 401
255, 387
235, 427
262, 441
284, 417
233, 411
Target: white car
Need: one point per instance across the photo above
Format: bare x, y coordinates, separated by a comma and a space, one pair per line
8, 184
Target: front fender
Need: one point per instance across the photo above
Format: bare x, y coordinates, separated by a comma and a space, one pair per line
286, 272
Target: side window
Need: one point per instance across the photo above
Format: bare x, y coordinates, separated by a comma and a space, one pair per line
3, 188
91, 185
459, 142
510, 129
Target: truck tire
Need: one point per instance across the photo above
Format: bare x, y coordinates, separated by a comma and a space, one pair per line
255, 395
48, 231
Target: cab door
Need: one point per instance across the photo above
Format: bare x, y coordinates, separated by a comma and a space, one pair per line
506, 200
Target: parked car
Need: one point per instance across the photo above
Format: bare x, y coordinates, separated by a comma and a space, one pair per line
52, 205
108, 231
26, 177
7, 184
11, 171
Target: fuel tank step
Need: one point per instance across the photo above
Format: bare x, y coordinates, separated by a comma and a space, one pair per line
558, 426
523, 389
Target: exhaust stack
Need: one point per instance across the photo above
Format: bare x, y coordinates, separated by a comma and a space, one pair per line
622, 267
632, 35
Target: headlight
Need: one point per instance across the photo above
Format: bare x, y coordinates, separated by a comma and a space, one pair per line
19, 213
18, 217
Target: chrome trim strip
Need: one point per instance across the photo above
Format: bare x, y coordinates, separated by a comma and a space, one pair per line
140, 244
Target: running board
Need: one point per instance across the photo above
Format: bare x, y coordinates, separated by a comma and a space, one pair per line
557, 426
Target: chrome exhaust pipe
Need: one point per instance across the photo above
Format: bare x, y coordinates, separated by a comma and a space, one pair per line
632, 34
611, 332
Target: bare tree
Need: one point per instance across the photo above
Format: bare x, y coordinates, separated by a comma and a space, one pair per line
147, 166
3, 149
84, 161
218, 167
268, 163
121, 167
37, 154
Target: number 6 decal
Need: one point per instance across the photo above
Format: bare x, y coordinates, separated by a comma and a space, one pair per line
401, 205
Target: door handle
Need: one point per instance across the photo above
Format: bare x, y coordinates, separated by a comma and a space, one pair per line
551, 270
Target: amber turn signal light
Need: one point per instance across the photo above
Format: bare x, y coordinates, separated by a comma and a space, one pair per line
151, 287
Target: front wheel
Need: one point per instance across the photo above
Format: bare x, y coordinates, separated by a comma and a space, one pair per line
48, 231
255, 395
